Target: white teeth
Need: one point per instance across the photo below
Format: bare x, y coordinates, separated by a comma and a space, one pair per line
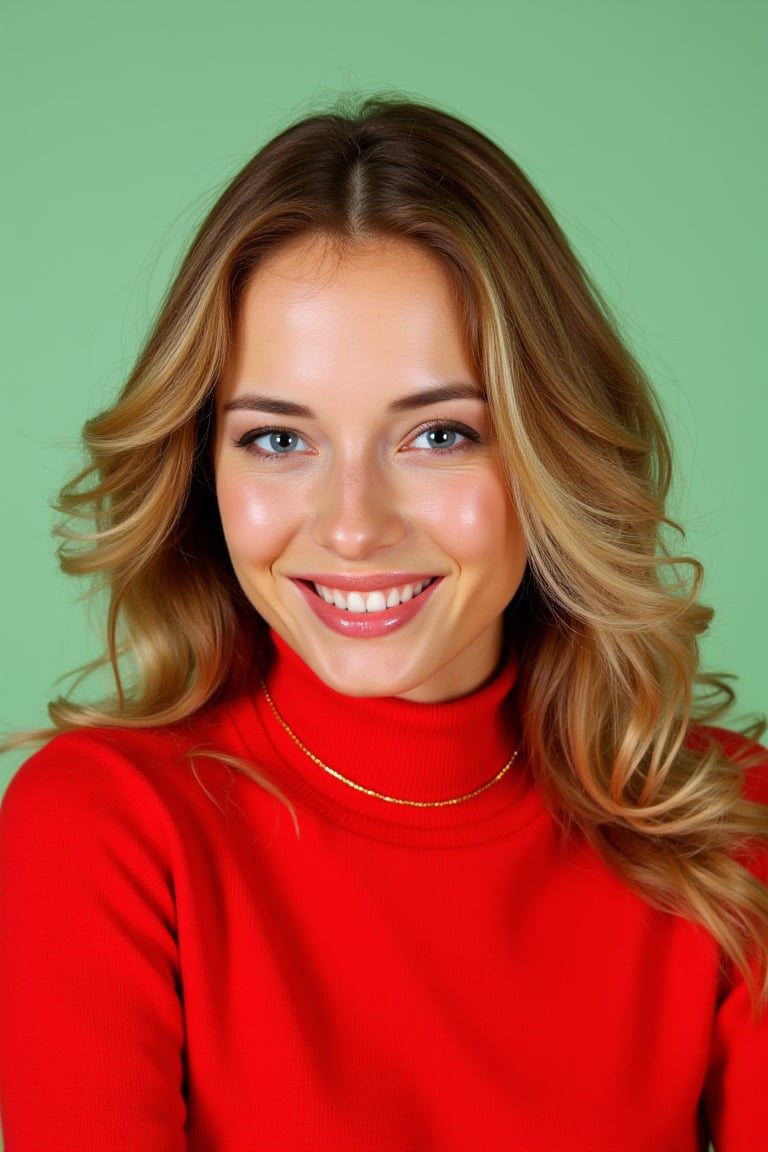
376, 602
379, 601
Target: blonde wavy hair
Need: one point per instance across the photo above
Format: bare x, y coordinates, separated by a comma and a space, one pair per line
608, 618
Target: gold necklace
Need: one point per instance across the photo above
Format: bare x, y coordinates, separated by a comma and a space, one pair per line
370, 791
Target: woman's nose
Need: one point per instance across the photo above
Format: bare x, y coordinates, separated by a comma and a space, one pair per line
356, 511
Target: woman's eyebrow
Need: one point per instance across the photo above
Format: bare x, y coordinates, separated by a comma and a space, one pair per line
277, 407
452, 391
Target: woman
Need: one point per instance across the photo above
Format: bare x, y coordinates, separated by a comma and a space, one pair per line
404, 827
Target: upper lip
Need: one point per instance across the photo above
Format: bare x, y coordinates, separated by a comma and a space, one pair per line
374, 582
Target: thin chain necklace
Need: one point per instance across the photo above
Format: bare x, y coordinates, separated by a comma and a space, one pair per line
370, 791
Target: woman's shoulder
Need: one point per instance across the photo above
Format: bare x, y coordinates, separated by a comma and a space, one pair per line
750, 758
741, 750
110, 768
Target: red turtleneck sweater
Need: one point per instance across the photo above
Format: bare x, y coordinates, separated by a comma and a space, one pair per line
184, 968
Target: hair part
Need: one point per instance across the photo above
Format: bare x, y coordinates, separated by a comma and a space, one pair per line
608, 620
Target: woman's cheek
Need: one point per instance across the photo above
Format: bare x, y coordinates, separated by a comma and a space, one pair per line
474, 518
256, 516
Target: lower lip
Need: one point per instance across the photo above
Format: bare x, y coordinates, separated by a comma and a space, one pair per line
365, 625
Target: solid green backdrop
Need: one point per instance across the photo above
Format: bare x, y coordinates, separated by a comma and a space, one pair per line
642, 123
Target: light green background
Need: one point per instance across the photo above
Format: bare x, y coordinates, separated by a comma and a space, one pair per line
642, 122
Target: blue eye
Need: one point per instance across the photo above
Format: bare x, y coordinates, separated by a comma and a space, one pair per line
441, 436
273, 442
281, 442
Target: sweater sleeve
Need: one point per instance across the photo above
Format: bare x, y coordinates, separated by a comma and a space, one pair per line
736, 1090
91, 1026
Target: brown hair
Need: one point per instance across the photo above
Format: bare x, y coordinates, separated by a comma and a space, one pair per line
608, 618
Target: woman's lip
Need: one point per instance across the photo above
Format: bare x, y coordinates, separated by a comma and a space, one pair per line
365, 625
375, 582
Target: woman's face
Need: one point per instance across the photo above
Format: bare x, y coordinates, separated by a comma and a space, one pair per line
360, 490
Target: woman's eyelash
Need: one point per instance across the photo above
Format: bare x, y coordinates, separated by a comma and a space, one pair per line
249, 440
451, 426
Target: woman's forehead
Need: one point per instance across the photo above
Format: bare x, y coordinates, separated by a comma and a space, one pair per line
381, 311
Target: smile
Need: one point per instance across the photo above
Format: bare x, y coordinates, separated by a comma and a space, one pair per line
377, 601
360, 609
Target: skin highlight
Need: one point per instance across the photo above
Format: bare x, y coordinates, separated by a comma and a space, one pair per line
371, 475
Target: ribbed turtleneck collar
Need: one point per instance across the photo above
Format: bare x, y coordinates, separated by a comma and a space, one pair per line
415, 751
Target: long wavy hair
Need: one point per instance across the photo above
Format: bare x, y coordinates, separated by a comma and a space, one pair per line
608, 618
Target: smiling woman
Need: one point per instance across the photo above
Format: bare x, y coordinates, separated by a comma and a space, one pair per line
406, 825
383, 503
